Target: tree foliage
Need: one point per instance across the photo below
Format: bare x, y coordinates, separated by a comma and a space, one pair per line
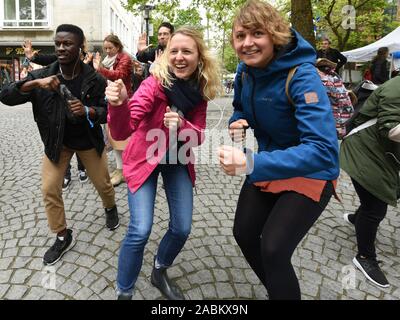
371, 22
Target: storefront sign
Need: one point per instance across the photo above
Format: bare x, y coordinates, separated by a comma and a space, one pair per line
14, 51
10, 51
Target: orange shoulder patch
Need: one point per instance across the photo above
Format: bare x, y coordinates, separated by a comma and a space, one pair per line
311, 97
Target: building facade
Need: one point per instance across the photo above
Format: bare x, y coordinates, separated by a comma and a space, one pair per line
38, 19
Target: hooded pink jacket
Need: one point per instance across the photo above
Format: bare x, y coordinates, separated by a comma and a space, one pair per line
137, 118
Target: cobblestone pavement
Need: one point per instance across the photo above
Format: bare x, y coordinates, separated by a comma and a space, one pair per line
210, 266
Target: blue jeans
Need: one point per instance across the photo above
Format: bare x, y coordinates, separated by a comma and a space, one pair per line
179, 191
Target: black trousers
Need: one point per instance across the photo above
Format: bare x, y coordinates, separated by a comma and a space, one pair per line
367, 219
268, 227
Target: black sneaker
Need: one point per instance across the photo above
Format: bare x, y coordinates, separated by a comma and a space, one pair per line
112, 220
370, 268
57, 250
66, 183
83, 176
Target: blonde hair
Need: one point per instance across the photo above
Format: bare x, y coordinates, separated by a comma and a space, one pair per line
208, 71
256, 14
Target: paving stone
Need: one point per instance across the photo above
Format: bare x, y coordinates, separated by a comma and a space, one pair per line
16, 292
20, 276
5, 263
208, 291
210, 266
244, 291
5, 276
225, 291
70, 288
3, 289
35, 293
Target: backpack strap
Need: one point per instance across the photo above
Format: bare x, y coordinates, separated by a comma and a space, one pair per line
289, 78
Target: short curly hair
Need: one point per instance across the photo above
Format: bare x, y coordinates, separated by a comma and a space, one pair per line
72, 29
255, 14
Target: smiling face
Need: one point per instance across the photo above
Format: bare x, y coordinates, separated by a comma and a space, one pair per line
253, 46
183, 56
67, 47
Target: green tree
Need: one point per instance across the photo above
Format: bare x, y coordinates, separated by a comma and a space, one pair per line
219, 15
371, 22
231, 60
302, 19
164, 8
188, 16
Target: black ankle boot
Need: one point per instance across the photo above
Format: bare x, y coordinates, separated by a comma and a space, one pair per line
124, 297
159, 279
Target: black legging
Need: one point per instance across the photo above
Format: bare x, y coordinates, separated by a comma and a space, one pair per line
367, 219
268, 227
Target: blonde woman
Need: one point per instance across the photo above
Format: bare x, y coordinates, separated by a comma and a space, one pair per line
172, 103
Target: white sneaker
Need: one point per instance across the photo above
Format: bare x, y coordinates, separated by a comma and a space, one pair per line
66, 184
347, 220
83, 176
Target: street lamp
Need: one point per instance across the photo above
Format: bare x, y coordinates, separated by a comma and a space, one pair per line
146, 15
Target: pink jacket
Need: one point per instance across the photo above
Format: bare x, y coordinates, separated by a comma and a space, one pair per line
137, 117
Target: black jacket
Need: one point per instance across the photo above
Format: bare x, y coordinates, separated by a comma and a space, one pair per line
44, 59
148, 55
49, 108
380, 71
334, 56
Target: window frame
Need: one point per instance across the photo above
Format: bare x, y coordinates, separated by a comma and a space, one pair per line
19, 21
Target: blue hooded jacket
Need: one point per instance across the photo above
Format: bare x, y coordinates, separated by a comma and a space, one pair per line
293, 141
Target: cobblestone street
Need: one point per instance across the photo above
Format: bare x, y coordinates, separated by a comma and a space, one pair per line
210, 266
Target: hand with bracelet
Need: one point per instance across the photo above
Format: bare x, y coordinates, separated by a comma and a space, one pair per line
79, 110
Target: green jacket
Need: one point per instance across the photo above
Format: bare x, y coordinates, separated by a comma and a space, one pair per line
362, 155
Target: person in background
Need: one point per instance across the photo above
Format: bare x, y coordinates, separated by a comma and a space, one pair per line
369, 154
171, 103
331, 54
116, 65
146, 54
339, 96
380, 66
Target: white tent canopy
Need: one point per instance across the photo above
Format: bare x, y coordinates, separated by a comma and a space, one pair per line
367, 53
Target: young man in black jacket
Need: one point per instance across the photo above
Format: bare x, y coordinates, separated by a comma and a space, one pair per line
146, 55
67, 125
331, 54
45, 60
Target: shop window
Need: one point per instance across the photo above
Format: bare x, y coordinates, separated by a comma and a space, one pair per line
25, 13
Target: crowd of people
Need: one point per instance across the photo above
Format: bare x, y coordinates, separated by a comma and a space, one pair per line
296, 105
